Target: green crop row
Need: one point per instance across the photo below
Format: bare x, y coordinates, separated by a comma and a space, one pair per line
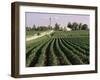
59, 49
74, 59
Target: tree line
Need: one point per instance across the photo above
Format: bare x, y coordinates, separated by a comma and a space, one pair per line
72, 26
76, 26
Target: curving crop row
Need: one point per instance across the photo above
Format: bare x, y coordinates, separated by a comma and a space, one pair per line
29, 50
63, 59
42, 57
77, 47
74, 59
51, 57
81, 42
82, 56
59, 49
35, 53
34, 44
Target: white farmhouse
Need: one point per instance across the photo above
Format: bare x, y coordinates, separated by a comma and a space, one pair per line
68, 29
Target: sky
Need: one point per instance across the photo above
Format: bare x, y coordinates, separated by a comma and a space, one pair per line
43, 19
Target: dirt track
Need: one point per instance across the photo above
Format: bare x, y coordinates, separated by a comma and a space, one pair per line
37, 36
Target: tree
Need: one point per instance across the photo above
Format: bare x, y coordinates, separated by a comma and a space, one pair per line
80, 26
69, 25
34, 27
57, 26
75, 26
84, 27
28, 28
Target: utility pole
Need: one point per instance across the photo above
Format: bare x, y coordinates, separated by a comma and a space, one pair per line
50, 21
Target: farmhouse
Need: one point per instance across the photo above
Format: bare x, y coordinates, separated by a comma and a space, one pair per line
68, 29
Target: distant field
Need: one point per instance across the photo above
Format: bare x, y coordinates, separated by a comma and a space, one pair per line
58, 48
32, 32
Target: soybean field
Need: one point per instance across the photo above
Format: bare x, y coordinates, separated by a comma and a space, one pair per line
58, 48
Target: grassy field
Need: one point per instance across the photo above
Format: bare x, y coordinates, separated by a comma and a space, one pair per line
58, 48
32, 32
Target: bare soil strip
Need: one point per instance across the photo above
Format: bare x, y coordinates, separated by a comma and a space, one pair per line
38, 36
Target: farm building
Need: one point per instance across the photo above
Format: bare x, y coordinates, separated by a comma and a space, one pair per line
68, 29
